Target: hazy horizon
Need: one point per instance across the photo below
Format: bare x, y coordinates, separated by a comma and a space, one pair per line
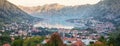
62, 2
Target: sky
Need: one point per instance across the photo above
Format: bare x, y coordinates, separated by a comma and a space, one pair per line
43, 2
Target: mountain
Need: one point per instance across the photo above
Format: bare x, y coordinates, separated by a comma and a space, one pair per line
44, 8
56, 14
107, 10
10, 13
103, 15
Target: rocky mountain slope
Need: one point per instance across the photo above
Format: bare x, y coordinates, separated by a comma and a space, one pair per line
10, 13
107, 11
39, 9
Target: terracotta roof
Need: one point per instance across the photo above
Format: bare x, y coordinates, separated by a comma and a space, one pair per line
6, 44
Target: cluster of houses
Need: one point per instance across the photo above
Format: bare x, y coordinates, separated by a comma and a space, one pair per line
69, 37
73, 41
17, 29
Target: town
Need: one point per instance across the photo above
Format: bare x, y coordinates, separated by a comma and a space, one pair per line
68, 36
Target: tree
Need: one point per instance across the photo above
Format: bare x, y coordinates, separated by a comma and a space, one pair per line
18, 42
5, 39
55, 40
91, 43
102, 39
99, 43
33, 41
114, 39
111, 41
117, 41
